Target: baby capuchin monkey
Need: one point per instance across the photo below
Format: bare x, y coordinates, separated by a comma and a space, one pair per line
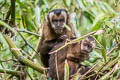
54, 31
81, 49
74, 54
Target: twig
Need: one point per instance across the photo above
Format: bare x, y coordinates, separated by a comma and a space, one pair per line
8, 71
26, 42
8, 14
30, 76
7, 60
88, 71
28, 55
29, 32
89, 76
93, 68
110, 73
56, 66
13, 12
115, 47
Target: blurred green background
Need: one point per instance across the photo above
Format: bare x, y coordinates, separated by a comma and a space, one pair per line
86, 16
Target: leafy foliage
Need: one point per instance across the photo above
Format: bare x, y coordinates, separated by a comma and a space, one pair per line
87, 16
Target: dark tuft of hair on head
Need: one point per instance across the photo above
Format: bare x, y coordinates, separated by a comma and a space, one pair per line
58, 11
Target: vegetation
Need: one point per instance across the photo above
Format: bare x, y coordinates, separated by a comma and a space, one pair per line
20, 30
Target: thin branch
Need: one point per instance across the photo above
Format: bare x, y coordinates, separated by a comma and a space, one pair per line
8, 14
22, 30
7, 60
77, 40
56, 66
97, 63
114, 48
29, 75
26, 42
12, 72
90, 70
13, 11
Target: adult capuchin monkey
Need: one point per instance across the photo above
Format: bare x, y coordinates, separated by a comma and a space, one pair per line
54, 30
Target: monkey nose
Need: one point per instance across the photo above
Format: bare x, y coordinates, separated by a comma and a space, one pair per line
58, 26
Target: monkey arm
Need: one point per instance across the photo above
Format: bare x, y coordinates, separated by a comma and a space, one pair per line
44, 47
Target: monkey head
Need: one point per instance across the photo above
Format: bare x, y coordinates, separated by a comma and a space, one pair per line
80, 51
58, 18
54, 26
87, 44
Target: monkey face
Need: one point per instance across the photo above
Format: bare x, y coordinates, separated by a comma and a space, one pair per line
87, 44
57, 19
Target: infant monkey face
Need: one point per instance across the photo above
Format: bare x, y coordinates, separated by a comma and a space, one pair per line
87, 44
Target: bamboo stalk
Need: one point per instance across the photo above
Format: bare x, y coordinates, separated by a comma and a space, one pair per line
20, 58
13, 72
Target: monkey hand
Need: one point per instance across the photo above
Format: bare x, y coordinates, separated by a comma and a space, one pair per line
63, 37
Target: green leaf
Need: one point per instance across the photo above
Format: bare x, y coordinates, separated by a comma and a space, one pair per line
104, 41
76, 77
68, 28
111, 63
104, 54
6, 25
110, 9
106, 76
81, 5
66, 76
84, 2
96, 24
46, 3
27, 22
101, 5
67, 2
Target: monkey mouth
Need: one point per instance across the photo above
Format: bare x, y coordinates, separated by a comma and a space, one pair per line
58, 31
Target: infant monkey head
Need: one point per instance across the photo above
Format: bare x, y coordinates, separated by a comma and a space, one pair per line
87, 44
80, 50
57, 19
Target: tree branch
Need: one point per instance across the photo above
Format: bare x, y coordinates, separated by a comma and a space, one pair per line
13, 72
13, 12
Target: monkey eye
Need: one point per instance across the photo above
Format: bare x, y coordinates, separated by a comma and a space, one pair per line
54, 20
61, 20
87, 45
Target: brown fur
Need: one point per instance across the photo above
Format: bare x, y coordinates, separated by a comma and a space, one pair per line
72, 53
50, 38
